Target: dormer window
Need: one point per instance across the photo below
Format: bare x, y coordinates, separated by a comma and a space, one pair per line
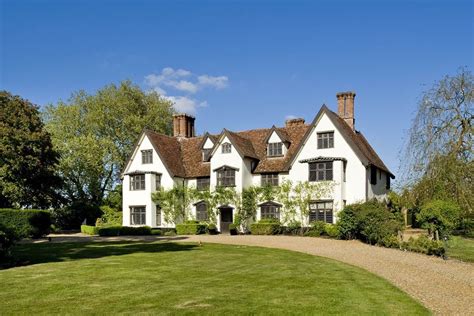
147, 156
275, 149
206, 154
226, 148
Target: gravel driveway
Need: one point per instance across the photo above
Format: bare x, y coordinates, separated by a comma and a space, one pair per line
445, 287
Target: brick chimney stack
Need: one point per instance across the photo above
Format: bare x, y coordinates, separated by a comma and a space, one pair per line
294, 122
345, 107
183, 125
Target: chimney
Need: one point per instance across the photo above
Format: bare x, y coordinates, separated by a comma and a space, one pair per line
294, 122
345, 107
183, 125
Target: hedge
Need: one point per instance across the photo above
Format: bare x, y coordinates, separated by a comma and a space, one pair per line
117, 230
26, 223
191, 228
265, 227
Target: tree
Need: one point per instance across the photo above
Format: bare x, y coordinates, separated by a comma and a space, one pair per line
27, 157
439, 216
95, 134
438, 158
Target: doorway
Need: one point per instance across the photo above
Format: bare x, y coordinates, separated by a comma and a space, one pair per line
226, 218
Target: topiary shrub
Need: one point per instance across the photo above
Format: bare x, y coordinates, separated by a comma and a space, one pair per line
109, 230
191, 228
331, 230
135, 231
441, 216
266, 227
26, 223
211, 229
89, 230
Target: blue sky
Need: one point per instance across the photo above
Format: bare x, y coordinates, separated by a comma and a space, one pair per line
243, 64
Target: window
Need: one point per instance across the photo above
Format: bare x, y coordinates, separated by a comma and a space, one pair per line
226, 148
275, 149
269, 211
269, 179
387, 185
137, 182
321, 211
326, 140
137, 215
206, 153
373, 175
158, 216
157, 182
320, 171
226, 177
344, 165
201, 211
147, 156
202, 184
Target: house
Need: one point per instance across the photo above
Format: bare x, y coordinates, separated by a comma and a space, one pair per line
329, 150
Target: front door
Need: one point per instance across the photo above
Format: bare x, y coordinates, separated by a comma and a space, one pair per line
226, 219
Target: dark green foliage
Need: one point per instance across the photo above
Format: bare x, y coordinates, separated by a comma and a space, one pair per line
293, 228
465, 227
442, 216
234, 229
109, 230
8, 237
266, 227
156, 232
135, 231
211, 229
424, 245
89, 230
71, 217
391, 242
169, 233
317, 229
191, 228
27, 158
26, 223
370, 222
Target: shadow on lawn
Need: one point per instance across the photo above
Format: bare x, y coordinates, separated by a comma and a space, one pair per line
29, 254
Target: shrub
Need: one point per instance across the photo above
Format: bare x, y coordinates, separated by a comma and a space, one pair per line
348, 224
293, 228
109, 216
331, 230
425, 245
390, 242
442, 216
135, 231
266, 227
233, 229
26, 223
109, 230
169, 233
89, 230
8, 237
156, 232
377, 225
191, 228
317, 229
211, 229
466, 227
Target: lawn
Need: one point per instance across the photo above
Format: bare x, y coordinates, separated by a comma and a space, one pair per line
170, 278
461, 248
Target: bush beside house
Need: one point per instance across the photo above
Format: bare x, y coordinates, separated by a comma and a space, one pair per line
191, 228
118, 230
266, 227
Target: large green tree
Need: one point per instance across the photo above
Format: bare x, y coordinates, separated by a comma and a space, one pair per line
95, 134
438, 158
27, 158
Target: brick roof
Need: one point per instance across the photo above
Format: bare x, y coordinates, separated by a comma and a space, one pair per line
183, 156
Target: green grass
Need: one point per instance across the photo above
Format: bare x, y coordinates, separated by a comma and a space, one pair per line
170, 278
461, 248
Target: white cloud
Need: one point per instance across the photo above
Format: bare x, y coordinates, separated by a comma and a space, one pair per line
219, 82
183, 81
